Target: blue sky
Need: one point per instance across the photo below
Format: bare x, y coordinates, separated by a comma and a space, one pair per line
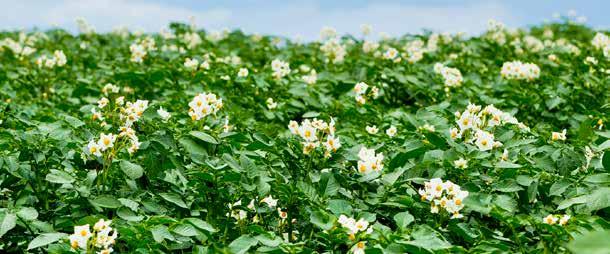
292, 18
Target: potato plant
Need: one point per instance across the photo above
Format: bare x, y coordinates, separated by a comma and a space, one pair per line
222, 142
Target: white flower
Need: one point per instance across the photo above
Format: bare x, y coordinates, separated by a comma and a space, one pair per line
271, 104
138, 52
101, 103
390, 54
391, 132
550, 219
369, 46
559, 135
520, 71
484, 140
360, 88
372, 129
452, 76
369, 161
310, 79
332, 143
428, 127
283, 215
564, 219
269, 201
359, 248
80, 237
203, 105
504, 155
334, 50
445, 195
106, 141
94, 149
454, 133
191, 63
243, 72
280, 68
163, 114
461, 163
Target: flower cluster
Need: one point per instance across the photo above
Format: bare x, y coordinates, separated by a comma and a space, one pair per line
203, 105
446, 195
520, 71
363, 92
369, 161
313, 132
58, 59
240, 214
280, 68
354, 226
602, 42
369, 46
191, 39
333, 50
128, 114
414, 51
310, 78
554, 219
452, 76
102, 238
495, 31
475, 124
132, 111
96, 148
140, 49
20, 49
391, 54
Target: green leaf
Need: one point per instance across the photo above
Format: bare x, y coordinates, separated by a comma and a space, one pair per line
7, 222
160, 233
507, 186
132, 170
403, 219
242, 244
329, 184
106, 202
57, 176
323, 220
506, 164
27, 213
598, 199
129, 215
339, 206
45, 239
133, 205
174, 198
559, 187
204, 137
201, 224
593, 242
185, 230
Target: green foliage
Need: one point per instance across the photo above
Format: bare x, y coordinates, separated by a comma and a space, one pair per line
209, 185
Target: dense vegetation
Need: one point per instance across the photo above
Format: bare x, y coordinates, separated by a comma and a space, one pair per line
222, 142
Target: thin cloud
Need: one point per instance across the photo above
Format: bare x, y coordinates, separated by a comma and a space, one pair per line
286, 19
